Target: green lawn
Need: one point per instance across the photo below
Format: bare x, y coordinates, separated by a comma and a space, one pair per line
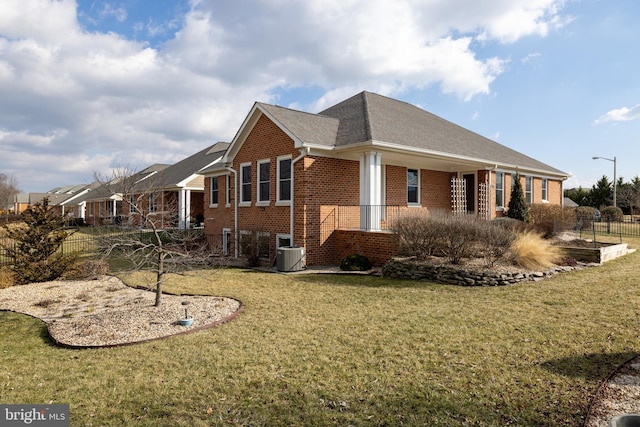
349, 350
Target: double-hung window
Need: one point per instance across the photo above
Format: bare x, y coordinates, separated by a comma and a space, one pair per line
528, 189
153, 202
264, 181
545, 190
413, 186
228, 187
213, 191
284, 179
499, 189
245, 183
132, 204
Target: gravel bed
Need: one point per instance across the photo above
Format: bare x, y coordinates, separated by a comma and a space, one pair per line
105, 312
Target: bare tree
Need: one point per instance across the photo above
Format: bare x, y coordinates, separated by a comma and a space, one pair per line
144, 231
8, 191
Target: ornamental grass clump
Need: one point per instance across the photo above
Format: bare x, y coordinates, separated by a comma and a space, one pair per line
531, 251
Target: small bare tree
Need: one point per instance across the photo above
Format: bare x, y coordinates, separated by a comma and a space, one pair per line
145, 234
8, 191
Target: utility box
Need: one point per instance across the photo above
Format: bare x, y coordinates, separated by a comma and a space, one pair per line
291, 258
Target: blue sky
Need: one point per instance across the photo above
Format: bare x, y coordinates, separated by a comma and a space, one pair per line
90, 85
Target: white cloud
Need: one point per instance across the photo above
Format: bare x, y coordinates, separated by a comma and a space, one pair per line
120, 13
82, 98
623, 114
530, 57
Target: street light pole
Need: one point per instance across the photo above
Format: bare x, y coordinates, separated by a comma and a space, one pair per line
615, 183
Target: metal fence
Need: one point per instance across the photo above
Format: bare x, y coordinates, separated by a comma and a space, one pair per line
629, 227
88, 242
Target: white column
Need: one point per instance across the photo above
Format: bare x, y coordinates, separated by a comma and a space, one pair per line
370, 191
187, 209
182, 209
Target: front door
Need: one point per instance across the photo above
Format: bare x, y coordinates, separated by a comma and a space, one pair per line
470, 188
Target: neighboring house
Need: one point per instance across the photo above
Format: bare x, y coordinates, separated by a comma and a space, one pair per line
21, 203
103, 204
172, 193
332, 182
177, 191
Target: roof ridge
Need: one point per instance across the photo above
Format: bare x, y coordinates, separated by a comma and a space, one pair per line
367, 122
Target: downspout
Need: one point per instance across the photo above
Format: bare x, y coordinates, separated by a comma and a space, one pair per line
235, 209
303, 153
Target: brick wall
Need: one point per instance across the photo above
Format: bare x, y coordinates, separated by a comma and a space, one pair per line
377, 246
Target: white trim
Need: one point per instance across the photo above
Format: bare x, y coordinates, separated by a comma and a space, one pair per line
242, 202
418, 202
227, 191
226, 240
211, 178
500, 206
545, 190
260, 202
528, 178
279, 201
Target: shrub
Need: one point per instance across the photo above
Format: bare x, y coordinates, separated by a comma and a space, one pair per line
531, 251
454, 236
585, 215
495, 242
7, 277
36, 254
612, 213
254, 245
518, 208
355, 262
460, 235
86, 269
418, 235
551, 219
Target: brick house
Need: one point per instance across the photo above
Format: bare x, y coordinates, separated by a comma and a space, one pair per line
332, 182
172, 194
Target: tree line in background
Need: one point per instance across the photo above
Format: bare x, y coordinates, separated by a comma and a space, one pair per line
601, 195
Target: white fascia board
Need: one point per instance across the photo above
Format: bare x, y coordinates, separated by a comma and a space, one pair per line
439, 155
247, 126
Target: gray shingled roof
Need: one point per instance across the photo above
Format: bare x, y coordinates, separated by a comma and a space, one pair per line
309, 128
369, 117
178, 172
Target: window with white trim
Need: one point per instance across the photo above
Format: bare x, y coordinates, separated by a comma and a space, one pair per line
245, 183
499, 189
264, 181
90, 209
413, 186
226, 241
213, 191
528, 189
132, 204
228, 187
284, 179
153, 203
545, 189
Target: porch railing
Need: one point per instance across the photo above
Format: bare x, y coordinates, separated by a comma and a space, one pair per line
367, 217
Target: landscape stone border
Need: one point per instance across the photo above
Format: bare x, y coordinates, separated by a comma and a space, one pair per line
413, 269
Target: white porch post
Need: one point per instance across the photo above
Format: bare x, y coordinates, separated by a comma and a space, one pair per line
184, 201
370, 191
187, 209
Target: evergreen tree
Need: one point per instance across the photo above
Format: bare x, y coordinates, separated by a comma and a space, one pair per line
518, 208
34, 247
601, 193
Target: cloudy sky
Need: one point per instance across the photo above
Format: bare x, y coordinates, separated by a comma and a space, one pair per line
86, 85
